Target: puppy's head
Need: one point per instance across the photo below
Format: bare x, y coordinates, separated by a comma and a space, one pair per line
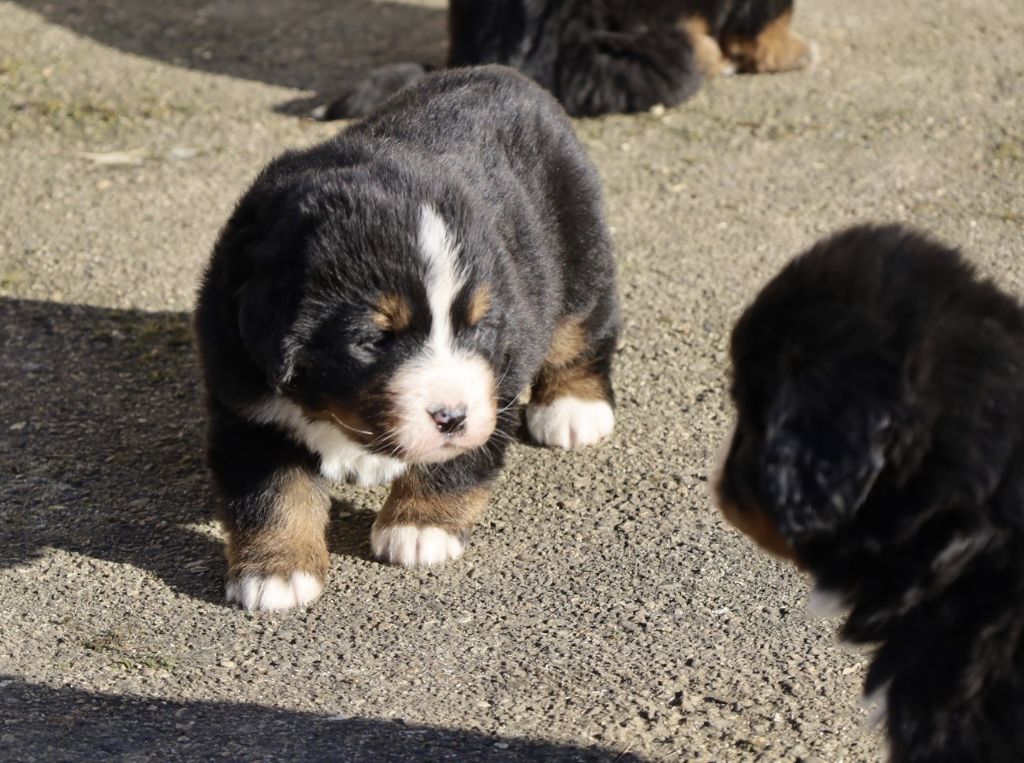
861, 358
379, 313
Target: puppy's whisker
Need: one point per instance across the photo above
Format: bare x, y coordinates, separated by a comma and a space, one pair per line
511, 403
346, 426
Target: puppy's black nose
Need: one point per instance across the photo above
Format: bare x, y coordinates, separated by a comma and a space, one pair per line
449, 420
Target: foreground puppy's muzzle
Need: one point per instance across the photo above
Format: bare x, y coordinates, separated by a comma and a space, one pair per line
443, 405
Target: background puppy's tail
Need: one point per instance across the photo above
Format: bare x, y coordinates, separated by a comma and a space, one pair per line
602, 71
375, 88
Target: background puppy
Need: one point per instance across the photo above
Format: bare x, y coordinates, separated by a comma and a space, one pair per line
879, 444
373, 310
600, 56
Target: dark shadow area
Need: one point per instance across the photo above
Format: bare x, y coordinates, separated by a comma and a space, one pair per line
101, 445
44, 723
320, 45
103, 449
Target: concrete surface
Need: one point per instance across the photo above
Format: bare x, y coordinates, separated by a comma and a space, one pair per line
603, 610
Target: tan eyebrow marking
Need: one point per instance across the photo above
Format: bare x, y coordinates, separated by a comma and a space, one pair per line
392, 313
479, 305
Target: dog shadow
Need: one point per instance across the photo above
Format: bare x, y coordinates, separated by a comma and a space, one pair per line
319, 45
48, 723
102, 443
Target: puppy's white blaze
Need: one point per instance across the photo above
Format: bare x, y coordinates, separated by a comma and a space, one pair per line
341, 458
274, 593
569, 422
440, 253
412, 546
442, 376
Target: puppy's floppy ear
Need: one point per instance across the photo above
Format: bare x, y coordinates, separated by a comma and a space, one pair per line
825, 444
265, 313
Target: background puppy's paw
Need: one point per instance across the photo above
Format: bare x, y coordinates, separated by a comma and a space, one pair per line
413, 546
274, 593
569, 422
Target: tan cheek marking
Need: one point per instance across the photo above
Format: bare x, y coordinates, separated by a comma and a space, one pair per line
411, 502
776, 49
757, 526
479, 305
393, 313
710, 59
294, 536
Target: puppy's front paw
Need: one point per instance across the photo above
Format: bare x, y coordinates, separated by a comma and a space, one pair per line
569, 422
413, 546
273, 593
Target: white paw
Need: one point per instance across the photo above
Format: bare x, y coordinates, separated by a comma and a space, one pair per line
570, 422
274, 593
413, 546
319, 112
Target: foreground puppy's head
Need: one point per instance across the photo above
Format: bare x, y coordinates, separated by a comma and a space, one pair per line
359, 307
879, 444
870, 364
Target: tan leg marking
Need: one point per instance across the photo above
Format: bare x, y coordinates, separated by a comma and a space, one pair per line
710, 59
419, 527
411, 502
564, 373
777, 49
294, 538
569, 405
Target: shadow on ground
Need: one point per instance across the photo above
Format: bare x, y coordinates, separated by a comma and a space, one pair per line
317, 45
44, 723
101, 445
102, 448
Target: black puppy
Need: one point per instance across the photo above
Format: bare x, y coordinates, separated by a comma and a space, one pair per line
374, 309
879, 444
600, 56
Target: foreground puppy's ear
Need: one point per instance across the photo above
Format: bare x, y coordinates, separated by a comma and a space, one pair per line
263, 323
824, 448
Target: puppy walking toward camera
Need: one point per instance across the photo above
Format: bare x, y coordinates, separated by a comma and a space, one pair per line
606, 56
879, 445
373, 310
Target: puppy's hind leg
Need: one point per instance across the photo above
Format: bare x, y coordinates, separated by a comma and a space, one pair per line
777, 48
571, 403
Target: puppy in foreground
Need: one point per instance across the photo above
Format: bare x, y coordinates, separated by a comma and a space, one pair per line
879, 445
601, 56
374, 309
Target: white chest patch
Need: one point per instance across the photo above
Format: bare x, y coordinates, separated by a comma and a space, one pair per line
340, 457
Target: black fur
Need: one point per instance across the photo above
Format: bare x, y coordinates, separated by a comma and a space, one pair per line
286, 304
595, 56
878, 385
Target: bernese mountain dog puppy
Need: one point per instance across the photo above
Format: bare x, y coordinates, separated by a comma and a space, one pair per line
603, 56
879, 445
373, 311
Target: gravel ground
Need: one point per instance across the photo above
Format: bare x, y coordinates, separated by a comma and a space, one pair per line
603, 610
